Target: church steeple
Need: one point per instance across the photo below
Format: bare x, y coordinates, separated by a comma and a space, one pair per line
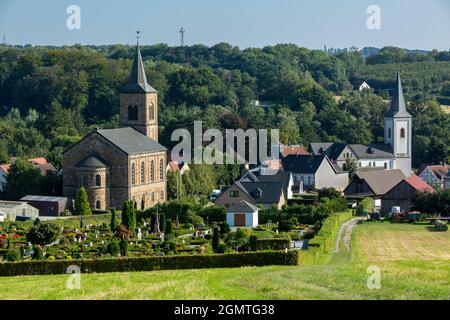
137, 82
398, 106
139, 101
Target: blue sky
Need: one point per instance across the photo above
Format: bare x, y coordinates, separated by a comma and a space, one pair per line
410, 24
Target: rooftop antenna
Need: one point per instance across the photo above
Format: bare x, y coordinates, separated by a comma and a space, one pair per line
138, 36
182, 31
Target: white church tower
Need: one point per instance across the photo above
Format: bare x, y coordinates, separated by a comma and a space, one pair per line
398, 130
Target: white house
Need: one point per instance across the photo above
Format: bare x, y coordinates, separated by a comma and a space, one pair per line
243, 214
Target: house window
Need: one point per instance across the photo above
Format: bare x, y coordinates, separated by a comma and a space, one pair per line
374, 164
152, 170
98, 205
133, 113
162, 195
151, 111
142, 172
402, 133
389, 133
133, 174
134, 202
98, 181
385, 165
161, 169
234, 194
309, 180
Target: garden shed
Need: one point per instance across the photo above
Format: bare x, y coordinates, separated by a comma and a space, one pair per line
242, 214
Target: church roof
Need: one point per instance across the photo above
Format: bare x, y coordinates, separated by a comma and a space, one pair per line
92, 162
137, 83
398, 106
372, 151
131, 141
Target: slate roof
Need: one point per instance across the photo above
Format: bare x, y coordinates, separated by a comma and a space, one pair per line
381, 181
243, 206
303, 163
131, 141
331, 149
439, 170
92, 162
270, 191
372, 151
398, 106
137, 83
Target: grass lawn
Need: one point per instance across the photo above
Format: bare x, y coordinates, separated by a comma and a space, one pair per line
413, 260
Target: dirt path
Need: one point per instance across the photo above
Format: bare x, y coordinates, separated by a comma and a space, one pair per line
345, 234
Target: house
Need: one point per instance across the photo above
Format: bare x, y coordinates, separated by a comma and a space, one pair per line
258, 189
242, 214
402, 194
177, 166
434, 175
362, 85
394, 153
127, 163
10, 210
447, 181
314, 172
374, 184
48, 206
41, 164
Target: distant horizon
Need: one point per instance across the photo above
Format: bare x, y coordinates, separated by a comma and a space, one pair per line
411, 24
209, 46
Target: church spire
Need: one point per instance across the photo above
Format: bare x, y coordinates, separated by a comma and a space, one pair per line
137, 83
398, 106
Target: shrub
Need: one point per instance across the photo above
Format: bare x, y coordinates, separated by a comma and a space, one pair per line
194, 219
113, 248
43, 233
82, 204
224, 228
270, 243
213, 214
123, 244
37, 253
216, 238
113, 223
12, 255
228, 260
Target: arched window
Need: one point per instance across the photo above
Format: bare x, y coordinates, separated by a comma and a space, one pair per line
402, 133
98, 205
161, 169
162, 195
98, 181
152, 170
133, 174
143, 202
133, 113
151, 111
142, 172
134, 202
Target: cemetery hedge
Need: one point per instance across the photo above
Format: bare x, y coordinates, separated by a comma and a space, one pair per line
230, 260
259, 244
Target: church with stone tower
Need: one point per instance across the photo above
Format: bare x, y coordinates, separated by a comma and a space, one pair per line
128, 163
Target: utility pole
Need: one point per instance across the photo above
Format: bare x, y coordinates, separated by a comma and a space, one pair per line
182, 31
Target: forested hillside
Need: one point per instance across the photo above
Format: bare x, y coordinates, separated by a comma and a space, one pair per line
51, 97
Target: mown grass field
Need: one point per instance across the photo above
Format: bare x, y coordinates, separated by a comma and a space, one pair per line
407, 272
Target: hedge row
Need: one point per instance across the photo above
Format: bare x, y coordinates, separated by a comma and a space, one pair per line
260, 244
231, 260
323, 243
